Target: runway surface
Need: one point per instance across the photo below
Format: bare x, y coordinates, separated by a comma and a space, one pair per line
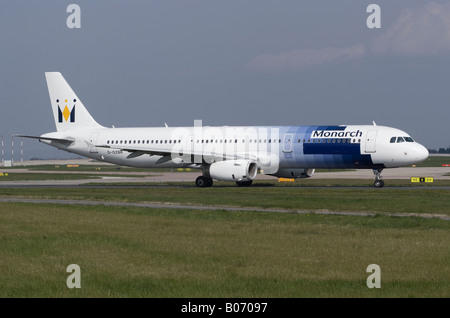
146, 176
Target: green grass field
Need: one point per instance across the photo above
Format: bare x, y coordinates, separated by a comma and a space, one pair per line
435, 161
137, 252
365, 199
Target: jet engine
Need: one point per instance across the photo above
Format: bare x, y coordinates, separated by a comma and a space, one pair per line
233, 170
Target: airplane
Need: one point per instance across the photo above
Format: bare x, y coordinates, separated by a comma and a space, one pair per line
228, 153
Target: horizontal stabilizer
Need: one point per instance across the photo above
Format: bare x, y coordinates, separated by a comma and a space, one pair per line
61, 140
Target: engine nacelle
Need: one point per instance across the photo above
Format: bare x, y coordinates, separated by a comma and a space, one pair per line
294, 173
233, 170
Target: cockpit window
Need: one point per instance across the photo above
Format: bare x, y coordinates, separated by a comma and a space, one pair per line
401, 139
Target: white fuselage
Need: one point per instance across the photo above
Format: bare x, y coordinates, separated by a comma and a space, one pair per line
281, 147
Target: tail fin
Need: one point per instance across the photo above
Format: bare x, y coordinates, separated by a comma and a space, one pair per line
68, 111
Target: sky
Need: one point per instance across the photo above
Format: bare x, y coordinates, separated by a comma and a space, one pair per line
227, 62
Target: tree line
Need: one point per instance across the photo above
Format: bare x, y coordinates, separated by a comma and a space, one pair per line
440, 150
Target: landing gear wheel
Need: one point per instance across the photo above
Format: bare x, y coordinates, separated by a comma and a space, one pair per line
209, 182
378, 183
244, 183
203, 182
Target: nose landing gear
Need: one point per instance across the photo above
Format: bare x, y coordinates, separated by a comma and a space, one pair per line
378, 182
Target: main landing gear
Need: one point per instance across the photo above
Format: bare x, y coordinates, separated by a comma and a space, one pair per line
203, 182
378, 182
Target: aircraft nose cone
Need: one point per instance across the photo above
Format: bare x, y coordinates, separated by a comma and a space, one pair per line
421, 153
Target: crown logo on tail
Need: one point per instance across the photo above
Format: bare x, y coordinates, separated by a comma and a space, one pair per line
66, 114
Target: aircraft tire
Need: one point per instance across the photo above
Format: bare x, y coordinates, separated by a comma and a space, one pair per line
378, 184
203, 182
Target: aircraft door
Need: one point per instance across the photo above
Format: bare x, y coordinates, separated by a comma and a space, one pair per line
93, 142
287, 142
370, 141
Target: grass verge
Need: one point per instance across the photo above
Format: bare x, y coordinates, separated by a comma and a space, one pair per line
137, 252
386, 200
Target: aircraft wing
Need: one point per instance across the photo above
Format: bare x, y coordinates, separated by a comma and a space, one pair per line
177, 153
